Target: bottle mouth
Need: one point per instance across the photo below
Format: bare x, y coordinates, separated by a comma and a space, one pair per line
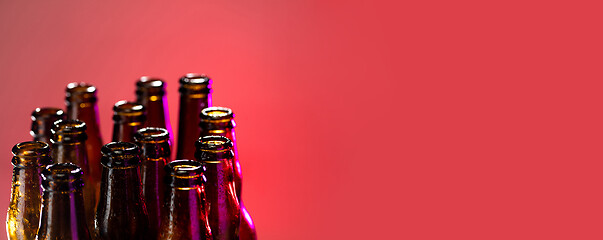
120, 155
125, 108
195, 84
152, 135
185, 169
62, 177
150, 86
216, 114
213, 144
81, 92
31, 149
47, 113
69, 131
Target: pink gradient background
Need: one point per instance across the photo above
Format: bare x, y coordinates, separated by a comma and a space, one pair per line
356, 119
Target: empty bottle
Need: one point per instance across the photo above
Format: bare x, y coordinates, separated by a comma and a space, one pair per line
195, 95
42, 120
150, 92
216, 152
185, 214
155, 146
128, 117
29, 159
121, 212
69, 146
82, 105
220, 121
63, 204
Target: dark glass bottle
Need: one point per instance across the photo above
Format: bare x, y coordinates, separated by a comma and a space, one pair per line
195, 95
216, 152
29, 158
220, 121
150, 92
121, 212
82, 105
63, 204
128, 117
155, 146
69, 146
185, 214
42, 120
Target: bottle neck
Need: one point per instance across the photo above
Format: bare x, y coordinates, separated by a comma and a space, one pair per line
224, 211
75, 153
156, 110
154, 159
124, 129
63, 216
188, 127
26, 199
86, 112
186, 216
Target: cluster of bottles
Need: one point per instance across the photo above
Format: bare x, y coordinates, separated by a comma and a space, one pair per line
67, 185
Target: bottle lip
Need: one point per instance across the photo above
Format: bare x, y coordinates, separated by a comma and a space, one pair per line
216, 114
68, 131
120, 155
214, 144
185, 169
62, 172
150, 86
47, 113
195, 84
80, 91
126, 108
152, 135
31, 149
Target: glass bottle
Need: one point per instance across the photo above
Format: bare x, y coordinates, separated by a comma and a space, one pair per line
185, 214
128, 117
121, 212
82, 105
155, 146
29, 158
42, 120
195, 95
150, 92
63, 203
216, 152
69, 146
220, 121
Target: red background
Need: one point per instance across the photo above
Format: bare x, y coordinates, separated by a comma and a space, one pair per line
356, 119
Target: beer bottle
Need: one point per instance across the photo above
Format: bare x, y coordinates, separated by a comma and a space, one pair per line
63, 203
42, 120
224, 211
185, 207
29, 158
121, 212
155, 146
128, 117
82, 105
150, 92
195, 95
69, 146
220, 121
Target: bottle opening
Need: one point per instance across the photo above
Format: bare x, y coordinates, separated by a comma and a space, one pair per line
31, 149
62, 177
69, 126
120, 154
126, 108
47, 112
185, 173
80, 92
80, 88
152, 134
217, 114
194, 78
151, 87
214, 144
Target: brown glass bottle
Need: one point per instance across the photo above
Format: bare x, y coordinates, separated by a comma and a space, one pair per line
185, 214
155, 146
63, 204
69, 146
150, 92
42, 120
220, 121
216, 152
29, 158
82, 105
128, 117
121, 211
195, 95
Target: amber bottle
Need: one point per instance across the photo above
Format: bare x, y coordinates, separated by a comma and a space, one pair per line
150, 92
220, 121
29, 158
185, 214
216, 152
42, 120
155, 146
121, 212
128, 117
195, 95
63, 204
69, 146
82, 105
